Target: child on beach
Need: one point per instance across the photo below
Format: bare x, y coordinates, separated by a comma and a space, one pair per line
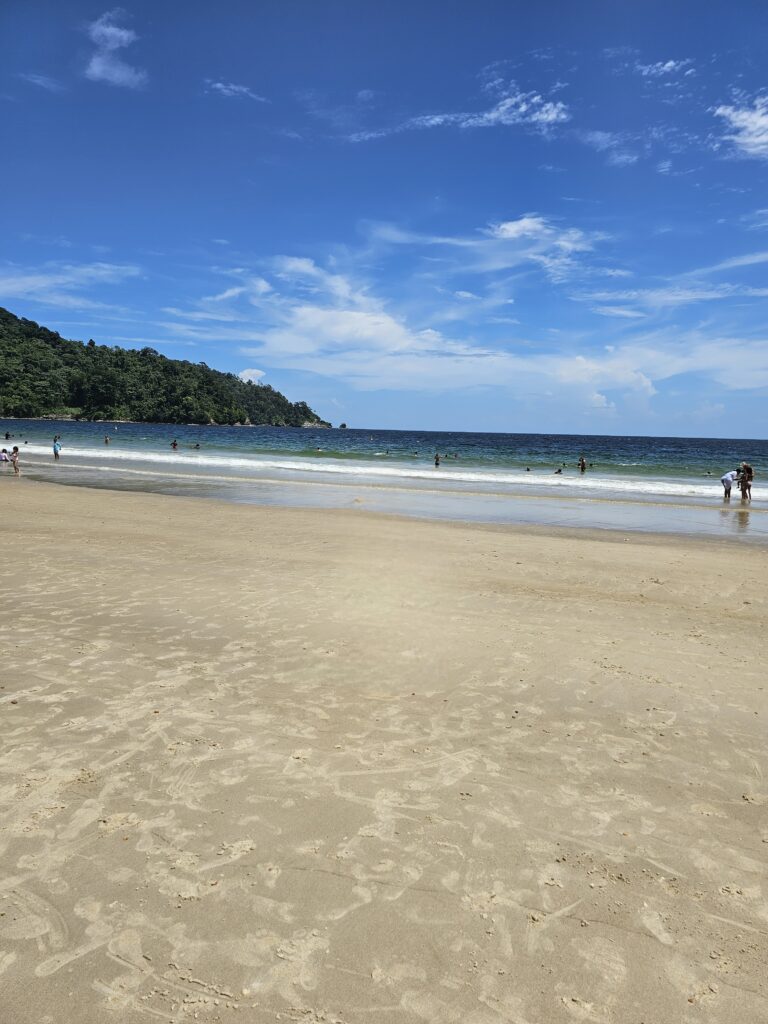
14, 458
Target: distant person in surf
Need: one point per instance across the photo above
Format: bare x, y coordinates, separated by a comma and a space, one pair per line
174, 444
557, 471
582, 464
106, 439
56, 448
437, 458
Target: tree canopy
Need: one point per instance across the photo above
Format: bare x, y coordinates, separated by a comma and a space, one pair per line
43, 374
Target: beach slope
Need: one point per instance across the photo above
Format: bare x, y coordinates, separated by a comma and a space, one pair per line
284, 765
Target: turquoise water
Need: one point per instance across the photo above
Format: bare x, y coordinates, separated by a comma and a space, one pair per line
487, 477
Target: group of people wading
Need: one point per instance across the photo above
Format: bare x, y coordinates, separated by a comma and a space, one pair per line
742, 477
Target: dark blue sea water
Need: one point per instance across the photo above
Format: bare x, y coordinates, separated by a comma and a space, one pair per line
480, 476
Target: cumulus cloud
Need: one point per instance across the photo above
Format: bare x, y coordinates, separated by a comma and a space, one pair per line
747, 127
231, 90
105, 64
529, 226
251, 375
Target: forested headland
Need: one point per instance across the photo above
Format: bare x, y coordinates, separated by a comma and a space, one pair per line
43, 374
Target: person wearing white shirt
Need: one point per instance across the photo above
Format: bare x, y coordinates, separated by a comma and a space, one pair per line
727, 481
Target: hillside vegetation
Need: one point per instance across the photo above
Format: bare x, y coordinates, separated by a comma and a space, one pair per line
43, 374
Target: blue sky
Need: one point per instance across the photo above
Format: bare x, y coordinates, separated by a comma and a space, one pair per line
499, 216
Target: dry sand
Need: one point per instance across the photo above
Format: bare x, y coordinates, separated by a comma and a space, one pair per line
264, 764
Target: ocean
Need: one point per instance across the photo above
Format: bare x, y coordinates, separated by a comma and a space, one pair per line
663, 484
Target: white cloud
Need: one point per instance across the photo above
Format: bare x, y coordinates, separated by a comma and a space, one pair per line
105, 65
228, 293
622, 158
748, 127
43, 82
528, 226
673, 296
231, 90
750, 259
62, 284
664, 68
618, 311
531, 239
613, 144
319, 320
199, 315
514, 107
252, 375
599, 401
309, 276
757, 220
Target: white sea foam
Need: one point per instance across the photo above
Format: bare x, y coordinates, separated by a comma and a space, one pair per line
594, 483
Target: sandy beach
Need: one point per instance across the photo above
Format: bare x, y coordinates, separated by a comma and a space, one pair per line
263, 764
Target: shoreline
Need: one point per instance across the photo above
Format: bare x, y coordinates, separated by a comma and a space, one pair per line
738, 521
267, 764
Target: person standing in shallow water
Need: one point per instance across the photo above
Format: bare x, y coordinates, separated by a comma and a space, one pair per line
727, 481
747, 473
437, 458
56, 448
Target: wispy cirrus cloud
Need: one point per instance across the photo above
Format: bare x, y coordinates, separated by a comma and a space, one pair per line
757, 220
665, 68
371, 347
621, 312
513, 107
676, 295
747, 127
43, 81
62, 284
750, 259
614, 145
531, 239
105, 64
233, 91
330, 318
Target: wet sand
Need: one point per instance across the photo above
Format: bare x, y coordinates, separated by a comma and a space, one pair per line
265, 764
